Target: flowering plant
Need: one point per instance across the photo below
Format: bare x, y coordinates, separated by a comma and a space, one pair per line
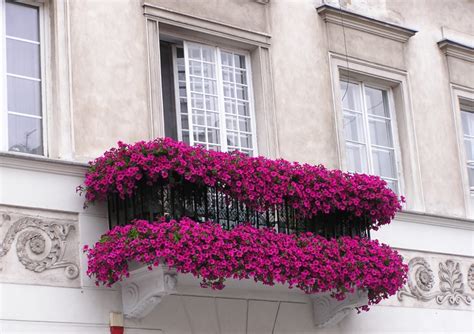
258, 182
309, 262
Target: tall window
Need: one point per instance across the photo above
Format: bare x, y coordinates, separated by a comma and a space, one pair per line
22, 122
368, 131
467, 116
212, 96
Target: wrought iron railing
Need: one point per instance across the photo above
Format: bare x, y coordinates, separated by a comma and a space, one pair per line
202, 203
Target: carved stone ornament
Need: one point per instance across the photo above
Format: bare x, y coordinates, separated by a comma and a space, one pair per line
40, 244
144, 289
470, 277
328, 311
450, 288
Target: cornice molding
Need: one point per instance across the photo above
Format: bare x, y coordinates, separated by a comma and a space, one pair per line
363, 23
42, 164
205, 25
457, 50
435, 220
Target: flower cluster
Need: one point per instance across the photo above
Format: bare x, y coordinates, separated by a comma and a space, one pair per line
309, 262
257, 181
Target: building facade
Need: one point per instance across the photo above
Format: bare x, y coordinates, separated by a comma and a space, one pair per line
381, 87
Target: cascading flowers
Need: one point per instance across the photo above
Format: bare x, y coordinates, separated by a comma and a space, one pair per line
308, 262
257, 181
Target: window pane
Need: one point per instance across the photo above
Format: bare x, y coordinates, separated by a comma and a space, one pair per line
468, 123
232, 139
244, 124
195, 68
22, 21
392, 184
376, 100
243, 108
199, 117
24, 96
231, 123
384, 163
23, 58
353, 126
350, 95
356, 158
380, 132
241, 77
211, 103
24, 134
229, 90
239, 61
208, 70
227, 59
197, 101
212, 119
230, 106
246, 140
213, 136
470, 171
242, 92
469, 145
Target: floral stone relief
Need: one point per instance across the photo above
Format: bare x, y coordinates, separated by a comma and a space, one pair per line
438, 281
38, 247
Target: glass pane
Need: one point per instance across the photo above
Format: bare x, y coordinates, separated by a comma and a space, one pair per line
195, 68
184, 122
246, 140
185, 136
22, 21
384, 163
242, 92
244, 124
227, 59
232, 139
196, 84
24, 96
356, 158
200, 134
210, 87
199, 117
212, 119
470, 171
209, 70
377, 103
23, 58
211, 103
380, 132
213, 136
239, 61
197, 101
243, 108
230, 106
392, 184
24, 134
241, 77
227, 74
229, 90
194, 52
353, 126
350, 95
468, 123
208, 54
469, 145
231, 123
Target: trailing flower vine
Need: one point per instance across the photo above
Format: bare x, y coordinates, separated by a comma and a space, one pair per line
207, 251
257, 181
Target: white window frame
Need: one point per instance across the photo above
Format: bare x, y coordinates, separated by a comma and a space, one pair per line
3, 72
220, 94
393, 128
460, 94
409, 169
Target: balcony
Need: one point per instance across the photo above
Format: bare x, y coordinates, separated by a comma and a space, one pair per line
225, 218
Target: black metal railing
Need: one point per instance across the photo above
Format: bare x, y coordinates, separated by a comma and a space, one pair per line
202, 203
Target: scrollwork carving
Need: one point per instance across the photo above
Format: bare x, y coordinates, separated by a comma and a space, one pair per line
40, 245
470, 277
421, 282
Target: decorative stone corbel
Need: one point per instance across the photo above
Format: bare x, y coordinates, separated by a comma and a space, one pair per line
328, 311
144, 289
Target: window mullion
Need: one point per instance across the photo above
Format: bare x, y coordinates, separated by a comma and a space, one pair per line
221, 102
365, 121
188, 93
177, 97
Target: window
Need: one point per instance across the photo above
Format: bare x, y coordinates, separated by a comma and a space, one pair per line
467, 117
368, 131
207, 96
22, 123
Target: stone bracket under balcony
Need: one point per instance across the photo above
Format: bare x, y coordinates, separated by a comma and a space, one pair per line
144, 289
328, 311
